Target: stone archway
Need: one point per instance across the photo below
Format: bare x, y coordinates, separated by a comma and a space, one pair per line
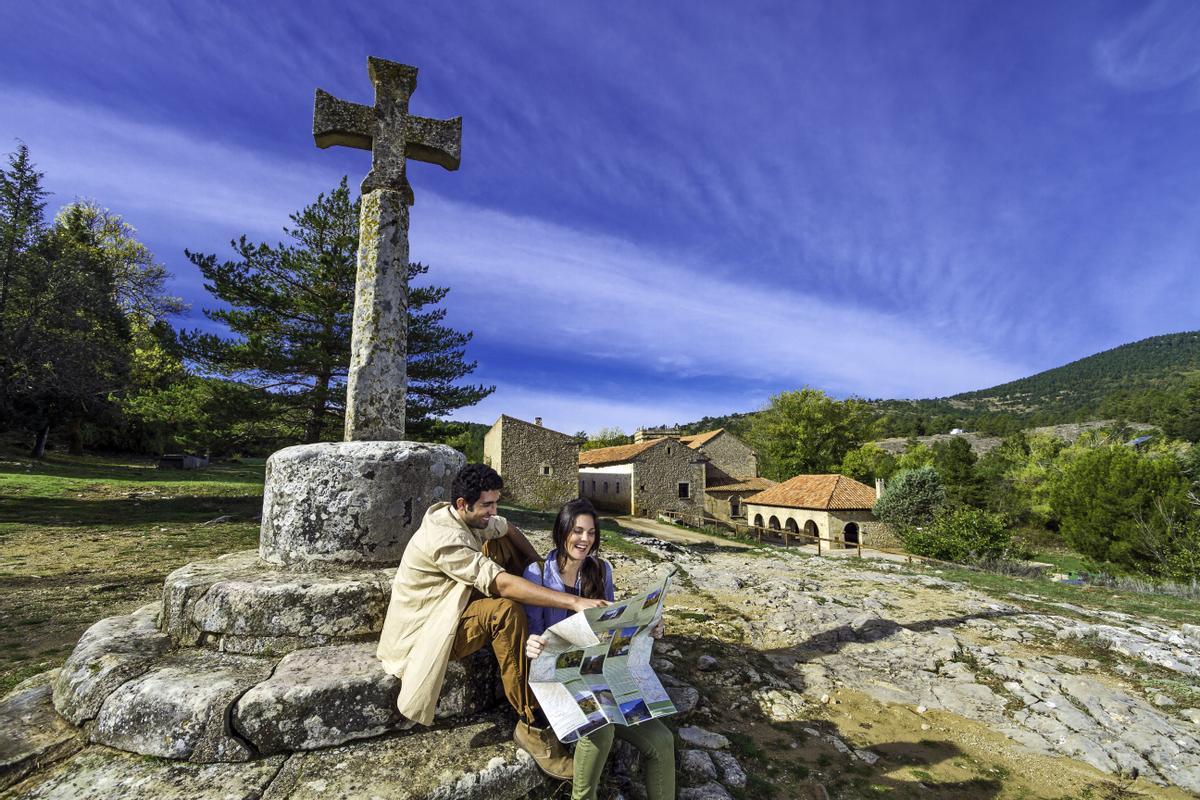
791, 526
850, 534
733, 506
811, 529
758, 520
774, 523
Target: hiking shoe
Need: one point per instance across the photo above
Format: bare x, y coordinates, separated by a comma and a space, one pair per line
546, 749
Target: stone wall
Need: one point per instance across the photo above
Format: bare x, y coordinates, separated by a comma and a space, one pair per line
716, 504
657, 473
732, 456
539, 465
609, 488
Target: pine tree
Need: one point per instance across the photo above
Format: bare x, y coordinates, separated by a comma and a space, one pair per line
22, 224
291, 308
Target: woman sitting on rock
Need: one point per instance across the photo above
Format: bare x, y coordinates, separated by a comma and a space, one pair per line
573, 567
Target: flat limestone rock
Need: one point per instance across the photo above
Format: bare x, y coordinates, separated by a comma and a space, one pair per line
240, 604
180, 707
109, 653
475, 760
32, 734
351, 502
327, 696
319, 697
99, 773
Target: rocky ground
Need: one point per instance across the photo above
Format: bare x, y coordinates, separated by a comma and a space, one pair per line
799, 677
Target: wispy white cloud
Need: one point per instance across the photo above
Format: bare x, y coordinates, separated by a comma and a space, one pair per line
525, 283
157, 171
530, 283
1157, 48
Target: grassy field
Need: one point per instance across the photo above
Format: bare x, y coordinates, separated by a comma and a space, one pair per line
84, 538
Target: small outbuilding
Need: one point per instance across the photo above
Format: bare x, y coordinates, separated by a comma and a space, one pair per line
833, 507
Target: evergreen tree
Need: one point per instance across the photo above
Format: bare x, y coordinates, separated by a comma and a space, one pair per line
68, 339
911, 498
1104, 497
291, 308
22, 225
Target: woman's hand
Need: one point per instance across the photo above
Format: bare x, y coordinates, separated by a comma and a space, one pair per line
534, 646
584, 603
658, 629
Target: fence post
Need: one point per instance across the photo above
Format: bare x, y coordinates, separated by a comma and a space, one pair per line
859, 543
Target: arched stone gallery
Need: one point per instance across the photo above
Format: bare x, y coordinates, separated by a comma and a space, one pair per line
833, 507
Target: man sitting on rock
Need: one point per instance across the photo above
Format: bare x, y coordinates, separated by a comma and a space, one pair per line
458, 588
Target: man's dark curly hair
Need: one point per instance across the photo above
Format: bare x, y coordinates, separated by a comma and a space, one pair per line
473, 480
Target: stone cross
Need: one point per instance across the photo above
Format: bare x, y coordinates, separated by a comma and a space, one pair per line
375, 387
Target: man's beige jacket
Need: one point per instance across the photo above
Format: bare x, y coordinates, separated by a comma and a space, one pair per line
442, 563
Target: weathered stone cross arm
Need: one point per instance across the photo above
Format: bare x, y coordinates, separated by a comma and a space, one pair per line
387, 129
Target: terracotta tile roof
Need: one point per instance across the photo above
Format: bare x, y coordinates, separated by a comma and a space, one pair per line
700, 439
748, 485
614, 455
817, 491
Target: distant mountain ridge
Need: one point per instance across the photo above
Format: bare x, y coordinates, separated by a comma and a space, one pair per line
1157, 362
1140, 381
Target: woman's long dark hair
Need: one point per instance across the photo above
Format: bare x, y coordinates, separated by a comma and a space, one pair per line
591, 582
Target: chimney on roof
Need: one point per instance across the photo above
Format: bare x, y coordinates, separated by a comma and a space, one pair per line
537, 421
878, 488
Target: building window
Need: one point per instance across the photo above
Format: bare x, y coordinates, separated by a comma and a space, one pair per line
606, 487
668, 449
685, 490
593, 487
643, 488
581, 489
546, 470
733, 506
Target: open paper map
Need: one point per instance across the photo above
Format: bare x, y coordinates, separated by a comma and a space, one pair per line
596, 670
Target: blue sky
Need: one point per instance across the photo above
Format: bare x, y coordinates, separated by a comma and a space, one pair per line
667, 210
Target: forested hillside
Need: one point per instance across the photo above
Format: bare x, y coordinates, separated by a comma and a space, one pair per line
1151, 380
1155, 380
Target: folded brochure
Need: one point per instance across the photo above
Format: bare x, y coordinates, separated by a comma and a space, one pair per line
595, 670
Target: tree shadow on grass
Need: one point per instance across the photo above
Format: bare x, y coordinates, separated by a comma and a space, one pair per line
128, 511
125, 469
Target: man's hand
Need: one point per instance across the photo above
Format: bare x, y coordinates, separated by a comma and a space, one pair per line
584, 603
534, 646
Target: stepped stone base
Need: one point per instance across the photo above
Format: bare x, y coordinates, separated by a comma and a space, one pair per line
110, 653
351, 502
201, 705
178, 709
32, 734
239, 604
330, 695
475, 760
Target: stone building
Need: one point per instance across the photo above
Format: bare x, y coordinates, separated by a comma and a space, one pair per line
730, 474
539, 465
834, 507
729, 458
644, 478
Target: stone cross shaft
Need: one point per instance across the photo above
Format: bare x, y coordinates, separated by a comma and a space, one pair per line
376, 384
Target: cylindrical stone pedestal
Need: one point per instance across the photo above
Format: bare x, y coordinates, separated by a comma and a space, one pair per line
351, 502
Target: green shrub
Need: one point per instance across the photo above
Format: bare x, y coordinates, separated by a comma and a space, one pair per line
962, 534
911, 498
